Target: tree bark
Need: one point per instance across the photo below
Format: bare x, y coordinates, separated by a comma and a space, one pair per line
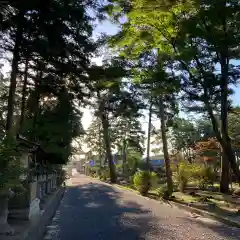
225, 142
105, 126
149, 132
13, 77
165, 148
225, 174
100, 146
224, 62
124, 155
24, 93
36, 105
111, 165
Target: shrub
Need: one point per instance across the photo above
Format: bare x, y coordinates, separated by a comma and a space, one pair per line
104, 174
154, 179
94, 172
142, 181
186, 172
205, 176
183, 175
131, 180
161, 190
143, 166
10, 165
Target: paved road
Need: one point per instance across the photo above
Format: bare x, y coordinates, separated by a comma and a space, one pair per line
91, 210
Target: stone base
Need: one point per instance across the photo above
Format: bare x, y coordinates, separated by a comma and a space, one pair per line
34, 209
21, 214
28, 213
5, 229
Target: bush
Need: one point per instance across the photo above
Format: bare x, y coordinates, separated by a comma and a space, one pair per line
205, 176
131, 180
143, 166
10, 165
94, 172
104, 174
142, 181
183, 175
186, 172
154, 180
162, 190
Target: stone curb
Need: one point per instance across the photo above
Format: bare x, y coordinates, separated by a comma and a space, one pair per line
37, 229
181, 206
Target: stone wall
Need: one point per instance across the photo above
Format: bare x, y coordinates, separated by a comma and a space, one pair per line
37, 190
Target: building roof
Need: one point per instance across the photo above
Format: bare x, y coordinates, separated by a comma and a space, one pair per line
31, 146
156, 160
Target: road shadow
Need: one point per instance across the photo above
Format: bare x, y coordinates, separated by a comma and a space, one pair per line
95, 211
225, 231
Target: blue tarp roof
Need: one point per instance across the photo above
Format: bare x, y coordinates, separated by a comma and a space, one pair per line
157, 162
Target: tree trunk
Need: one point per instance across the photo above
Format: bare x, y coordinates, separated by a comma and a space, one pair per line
105, 126
225, 142
124, 156
225, 174
225, 167
24, 93
36, 105
13, 78
165, 148
100, 146
149, 132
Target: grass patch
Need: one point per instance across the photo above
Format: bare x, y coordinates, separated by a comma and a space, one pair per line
186, 197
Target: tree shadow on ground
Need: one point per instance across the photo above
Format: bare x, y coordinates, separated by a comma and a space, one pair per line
94, 211
97, 211
225, 231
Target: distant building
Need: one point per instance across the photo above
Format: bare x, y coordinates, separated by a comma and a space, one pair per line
156, 161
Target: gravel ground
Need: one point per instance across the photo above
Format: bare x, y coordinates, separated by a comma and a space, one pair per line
91, 210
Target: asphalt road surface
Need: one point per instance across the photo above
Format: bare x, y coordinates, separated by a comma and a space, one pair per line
92, 210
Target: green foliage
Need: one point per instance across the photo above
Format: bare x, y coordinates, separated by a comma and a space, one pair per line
56, 127
93, 171
204, 175
97, 172
104, 174
199, 173
182, 174
161, 191
234, 124
142, 181
131, 182
154, 180
133, 157
119, 167
197, 41
127, 134
10, 165
94, 138
143, 165
183, 133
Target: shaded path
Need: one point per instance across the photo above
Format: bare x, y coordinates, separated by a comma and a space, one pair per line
91, 210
